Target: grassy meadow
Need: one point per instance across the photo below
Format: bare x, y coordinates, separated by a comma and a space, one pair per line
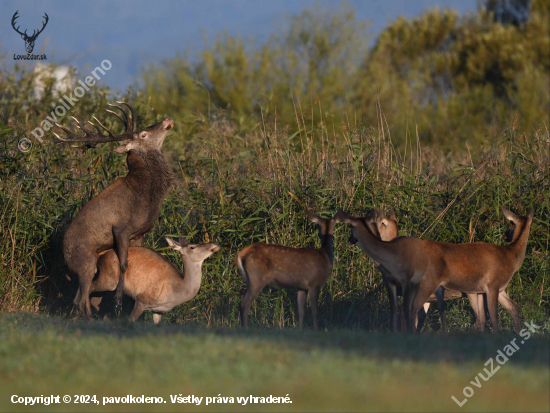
430, 121
340, 370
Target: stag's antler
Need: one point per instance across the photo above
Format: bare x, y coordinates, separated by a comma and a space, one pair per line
14, 18
98, 137
34, 33
34, 36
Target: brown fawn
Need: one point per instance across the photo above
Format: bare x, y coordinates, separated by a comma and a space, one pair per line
306, 269
478, 267
151, 280
403, 261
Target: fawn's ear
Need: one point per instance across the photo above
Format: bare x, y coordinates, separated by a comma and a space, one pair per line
510, 216
172, 244
126, 147
183, 242
313, 217
391, 214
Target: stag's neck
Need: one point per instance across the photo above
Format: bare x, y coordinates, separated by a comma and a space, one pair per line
190, 284
327, 245
149, 174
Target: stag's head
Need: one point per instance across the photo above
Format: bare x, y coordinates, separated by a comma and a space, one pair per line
29, 40
150, 138
145, 140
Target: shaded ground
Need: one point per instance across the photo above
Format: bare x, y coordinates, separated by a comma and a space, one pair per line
325, 371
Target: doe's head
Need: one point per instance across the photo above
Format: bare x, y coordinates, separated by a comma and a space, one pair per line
193, 252
517, 223
387, 225
325, 226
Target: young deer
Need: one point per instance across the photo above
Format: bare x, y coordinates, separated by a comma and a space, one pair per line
306, 269
478, 268
404, 262
385, 227
122, 213
151, 280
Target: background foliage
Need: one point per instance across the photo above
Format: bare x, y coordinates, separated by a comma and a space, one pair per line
444, 113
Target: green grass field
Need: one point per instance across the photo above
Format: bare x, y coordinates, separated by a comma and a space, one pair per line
341, 370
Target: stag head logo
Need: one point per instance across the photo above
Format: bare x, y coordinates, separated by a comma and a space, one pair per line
29, 40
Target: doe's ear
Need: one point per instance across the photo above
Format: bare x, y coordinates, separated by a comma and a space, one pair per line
313, 217
391, 214
183, 242
342, 216
126, 147
510, 216
173, 244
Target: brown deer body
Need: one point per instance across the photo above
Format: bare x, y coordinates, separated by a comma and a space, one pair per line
306, 269
151, 280
385, 227
403, 259
478, 268
122, 213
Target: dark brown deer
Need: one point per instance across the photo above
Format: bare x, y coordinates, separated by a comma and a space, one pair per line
122, 213
29, 40
152, 281
477, 268
306, 269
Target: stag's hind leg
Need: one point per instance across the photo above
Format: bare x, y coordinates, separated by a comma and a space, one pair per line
85, 270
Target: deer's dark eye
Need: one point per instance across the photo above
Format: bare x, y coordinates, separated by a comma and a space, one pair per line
192, 247
143, 135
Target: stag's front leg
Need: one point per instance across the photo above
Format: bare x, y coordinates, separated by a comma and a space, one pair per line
122, 241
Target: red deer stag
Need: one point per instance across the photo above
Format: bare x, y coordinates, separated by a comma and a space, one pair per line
151, 280
122, 213
306, 269
478, 267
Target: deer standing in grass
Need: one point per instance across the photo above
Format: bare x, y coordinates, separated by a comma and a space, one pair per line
306, 269
151, 280
403, 261
122, 213
477, 268
385, 228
